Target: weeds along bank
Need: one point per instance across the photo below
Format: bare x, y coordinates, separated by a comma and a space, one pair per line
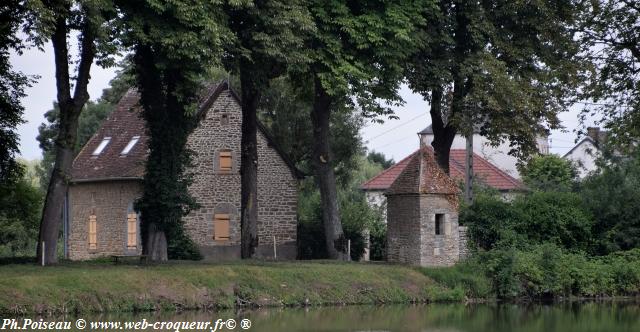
543, 271
104, 287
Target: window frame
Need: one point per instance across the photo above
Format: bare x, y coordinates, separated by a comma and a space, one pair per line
103, 145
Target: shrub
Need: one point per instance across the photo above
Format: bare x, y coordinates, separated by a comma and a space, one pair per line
556, 217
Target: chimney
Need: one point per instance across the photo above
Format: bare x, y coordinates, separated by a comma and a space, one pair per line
594, 134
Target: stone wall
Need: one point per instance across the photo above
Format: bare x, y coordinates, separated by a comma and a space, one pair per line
219, 192
411, 235
110, 202
463, 242
443, 249
403, 229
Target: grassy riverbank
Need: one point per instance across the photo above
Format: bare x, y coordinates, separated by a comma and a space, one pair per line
82, 287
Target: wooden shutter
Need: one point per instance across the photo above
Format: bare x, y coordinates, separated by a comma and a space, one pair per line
93, 238
225, 161
132, 230
221, 227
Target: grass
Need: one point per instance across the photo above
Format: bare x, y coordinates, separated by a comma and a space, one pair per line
103, 287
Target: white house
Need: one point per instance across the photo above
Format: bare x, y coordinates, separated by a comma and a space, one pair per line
585, 153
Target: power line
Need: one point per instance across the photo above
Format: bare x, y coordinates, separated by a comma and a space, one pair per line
393, 142
396, 127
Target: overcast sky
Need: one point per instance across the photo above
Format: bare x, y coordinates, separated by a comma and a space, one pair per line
394, 138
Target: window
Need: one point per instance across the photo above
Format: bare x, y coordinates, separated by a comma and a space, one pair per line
439, 223
132, 231
226, 162
130, 145
93, 239
221, 227
101, 146
224, 119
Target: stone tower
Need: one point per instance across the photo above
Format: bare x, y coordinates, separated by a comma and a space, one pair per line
422, 214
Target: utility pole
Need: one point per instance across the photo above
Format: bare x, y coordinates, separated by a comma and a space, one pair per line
468, 171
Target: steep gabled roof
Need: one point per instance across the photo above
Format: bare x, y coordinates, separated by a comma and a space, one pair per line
122, 125
483, 170
422, 175
585, 140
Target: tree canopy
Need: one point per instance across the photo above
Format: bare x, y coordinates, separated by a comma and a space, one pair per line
609, 34
508, 67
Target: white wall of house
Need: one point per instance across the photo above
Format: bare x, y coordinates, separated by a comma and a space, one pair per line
584, 156
498, 155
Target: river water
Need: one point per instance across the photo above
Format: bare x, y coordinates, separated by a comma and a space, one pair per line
567, 317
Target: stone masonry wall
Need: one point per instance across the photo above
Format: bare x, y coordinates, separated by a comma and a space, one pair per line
463, 241
219, 192
443, 249
111, 202
403, 229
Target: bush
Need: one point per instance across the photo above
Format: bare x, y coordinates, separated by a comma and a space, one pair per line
540, 217
548, 271
550, 173
613, 197
556, 217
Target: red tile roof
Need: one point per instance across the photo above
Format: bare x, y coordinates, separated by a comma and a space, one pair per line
483, 170
422, 175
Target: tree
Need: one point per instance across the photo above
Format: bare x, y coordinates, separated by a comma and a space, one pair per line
88, 122
57, 19
173, 42
609, 34
357, 54
612, 195
261, 49
12, 86
549, 173
20, 207
381, 159
506, 66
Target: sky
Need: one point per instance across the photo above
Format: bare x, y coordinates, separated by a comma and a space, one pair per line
395, 138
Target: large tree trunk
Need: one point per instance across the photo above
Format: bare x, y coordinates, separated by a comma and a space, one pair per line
155, 246
325, 176
443, 133
249, 163
70, 108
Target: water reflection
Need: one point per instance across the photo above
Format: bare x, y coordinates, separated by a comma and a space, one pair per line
583, 317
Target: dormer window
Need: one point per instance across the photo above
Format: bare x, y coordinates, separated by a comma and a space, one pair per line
130, 146
100, 148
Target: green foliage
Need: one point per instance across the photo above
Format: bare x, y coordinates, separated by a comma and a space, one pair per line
541, 217
358, 50
463, 275
506, 65
612, 196
380, 158
355, 213
609, 35
20, 207
12, 85
490, 222
548, 271
286, 109
549, 172
173, 42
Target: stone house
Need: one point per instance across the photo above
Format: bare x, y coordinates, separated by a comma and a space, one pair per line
422, 219
99, 218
